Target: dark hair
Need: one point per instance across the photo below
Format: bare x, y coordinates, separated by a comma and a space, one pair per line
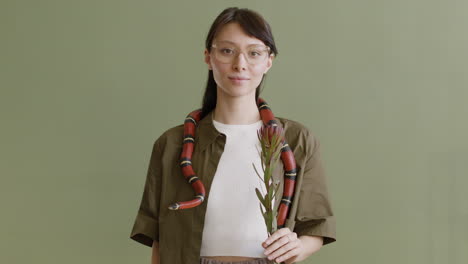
254, 25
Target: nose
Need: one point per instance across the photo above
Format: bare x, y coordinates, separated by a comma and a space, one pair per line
239, 63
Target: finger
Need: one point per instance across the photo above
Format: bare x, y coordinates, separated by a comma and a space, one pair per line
291, 253
290, 250
279, 233
279, 243
285, 250
294, 235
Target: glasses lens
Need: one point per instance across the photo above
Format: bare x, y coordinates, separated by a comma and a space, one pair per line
226, 53
257, 54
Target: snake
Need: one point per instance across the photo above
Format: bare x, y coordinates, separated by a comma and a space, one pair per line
287, 157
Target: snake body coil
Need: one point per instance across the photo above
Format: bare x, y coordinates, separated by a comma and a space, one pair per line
287, 157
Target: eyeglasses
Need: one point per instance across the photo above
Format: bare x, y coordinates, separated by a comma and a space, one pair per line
226, 52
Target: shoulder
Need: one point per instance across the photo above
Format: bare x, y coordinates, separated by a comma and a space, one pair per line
298, 135
171, 137
295, 128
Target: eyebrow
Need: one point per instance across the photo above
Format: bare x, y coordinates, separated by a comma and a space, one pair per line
252, 44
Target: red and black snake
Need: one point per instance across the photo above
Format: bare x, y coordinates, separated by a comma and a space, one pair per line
287, 157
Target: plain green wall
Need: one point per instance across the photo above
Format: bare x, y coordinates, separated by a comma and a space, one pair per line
87, 86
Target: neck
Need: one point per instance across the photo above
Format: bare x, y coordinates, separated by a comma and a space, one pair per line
241, 110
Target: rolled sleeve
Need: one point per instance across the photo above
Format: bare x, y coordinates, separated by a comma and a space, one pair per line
314, 215
146, 226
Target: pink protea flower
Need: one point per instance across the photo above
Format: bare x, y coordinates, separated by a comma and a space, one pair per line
271, 138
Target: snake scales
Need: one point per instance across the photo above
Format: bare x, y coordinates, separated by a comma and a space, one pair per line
290, 170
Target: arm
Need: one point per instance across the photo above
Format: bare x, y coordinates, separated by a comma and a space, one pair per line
155, 255
146, 226
314, 216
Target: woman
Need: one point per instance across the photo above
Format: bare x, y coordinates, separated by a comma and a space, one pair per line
223, 224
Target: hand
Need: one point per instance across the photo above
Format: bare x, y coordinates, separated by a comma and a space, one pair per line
283, 245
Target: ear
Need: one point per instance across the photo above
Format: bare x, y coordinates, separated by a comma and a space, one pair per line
269, 63
208, 59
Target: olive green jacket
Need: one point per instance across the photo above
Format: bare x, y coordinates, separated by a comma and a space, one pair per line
180, 232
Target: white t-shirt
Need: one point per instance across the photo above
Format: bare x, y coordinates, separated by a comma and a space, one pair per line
234, 225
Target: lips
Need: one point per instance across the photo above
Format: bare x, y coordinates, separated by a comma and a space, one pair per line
238, 78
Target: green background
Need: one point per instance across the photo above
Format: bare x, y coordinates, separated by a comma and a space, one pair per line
87, 86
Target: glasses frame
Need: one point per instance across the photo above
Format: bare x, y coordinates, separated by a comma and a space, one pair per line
247, 57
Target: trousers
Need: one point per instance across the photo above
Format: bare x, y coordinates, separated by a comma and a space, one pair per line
255, 261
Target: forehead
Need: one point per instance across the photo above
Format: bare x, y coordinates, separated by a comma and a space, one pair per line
233, 33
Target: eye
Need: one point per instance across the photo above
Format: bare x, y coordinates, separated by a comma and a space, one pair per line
254, 53
226, 51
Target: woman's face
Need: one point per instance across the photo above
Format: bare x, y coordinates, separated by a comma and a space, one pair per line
239, 67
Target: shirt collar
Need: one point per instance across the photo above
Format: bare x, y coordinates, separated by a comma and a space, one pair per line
207, 132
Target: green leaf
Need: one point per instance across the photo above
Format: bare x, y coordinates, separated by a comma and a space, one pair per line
277, 153
263, 162
266, 221
262, 144
274, 225
268, 155
260, 197
260, 177
273, 140
267, 174
270, 194
270, 221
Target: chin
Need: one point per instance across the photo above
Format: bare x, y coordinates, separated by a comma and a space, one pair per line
231, 93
